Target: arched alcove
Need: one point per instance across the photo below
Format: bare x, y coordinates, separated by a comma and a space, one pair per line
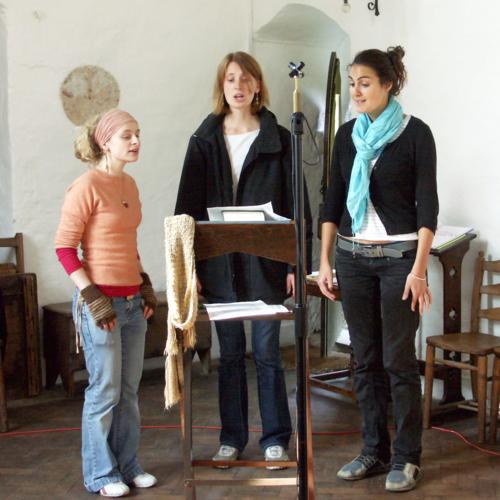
302, 33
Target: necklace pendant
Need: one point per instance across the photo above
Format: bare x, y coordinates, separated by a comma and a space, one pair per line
124, 203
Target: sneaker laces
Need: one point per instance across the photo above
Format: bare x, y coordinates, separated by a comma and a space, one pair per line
367, 460
274, 451
400, 467
226, 451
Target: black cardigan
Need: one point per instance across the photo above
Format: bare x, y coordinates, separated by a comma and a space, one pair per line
266, 175
403, 186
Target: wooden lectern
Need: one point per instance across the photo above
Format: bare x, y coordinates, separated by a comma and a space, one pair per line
271, 240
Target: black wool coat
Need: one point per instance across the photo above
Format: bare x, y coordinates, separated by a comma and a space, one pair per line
266, 175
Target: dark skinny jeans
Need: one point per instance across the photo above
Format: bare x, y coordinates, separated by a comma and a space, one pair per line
382, 328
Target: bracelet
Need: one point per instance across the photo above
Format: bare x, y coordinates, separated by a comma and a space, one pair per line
417, 277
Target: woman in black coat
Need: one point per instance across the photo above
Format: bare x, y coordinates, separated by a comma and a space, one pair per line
241, 156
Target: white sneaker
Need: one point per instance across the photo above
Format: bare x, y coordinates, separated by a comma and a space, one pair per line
118, 489
402, 477
144, 480
275, 453
225, 453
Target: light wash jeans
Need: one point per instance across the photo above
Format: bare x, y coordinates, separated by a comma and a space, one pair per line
111, 420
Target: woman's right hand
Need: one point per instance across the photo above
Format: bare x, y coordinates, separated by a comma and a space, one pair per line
100, 307
325, 281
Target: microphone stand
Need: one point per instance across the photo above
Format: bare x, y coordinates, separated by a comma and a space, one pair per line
300, 309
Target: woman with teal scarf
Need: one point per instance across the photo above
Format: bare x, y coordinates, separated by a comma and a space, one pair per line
381, 210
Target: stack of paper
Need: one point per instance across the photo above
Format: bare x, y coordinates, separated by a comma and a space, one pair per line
234, 310
252, 213
449, 235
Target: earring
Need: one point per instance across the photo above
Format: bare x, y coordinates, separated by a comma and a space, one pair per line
257, 99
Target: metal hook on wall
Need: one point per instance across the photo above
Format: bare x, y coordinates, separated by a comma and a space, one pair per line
374, 6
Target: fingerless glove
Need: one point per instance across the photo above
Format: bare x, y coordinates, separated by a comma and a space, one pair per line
147, 292
100, 305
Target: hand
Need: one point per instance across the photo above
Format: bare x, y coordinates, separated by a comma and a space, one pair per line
325, 281
290, 284
100, 307
148, 312
109, 326
148, 295
419, 293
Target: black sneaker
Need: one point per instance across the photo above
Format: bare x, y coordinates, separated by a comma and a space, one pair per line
362, 466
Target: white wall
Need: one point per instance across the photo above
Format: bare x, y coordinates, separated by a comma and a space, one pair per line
6, 227
164, 53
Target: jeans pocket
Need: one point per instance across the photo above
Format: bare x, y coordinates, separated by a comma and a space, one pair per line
94, 334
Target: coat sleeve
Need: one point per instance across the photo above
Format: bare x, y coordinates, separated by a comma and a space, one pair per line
191, 195
290, 201
426, 196
337, 189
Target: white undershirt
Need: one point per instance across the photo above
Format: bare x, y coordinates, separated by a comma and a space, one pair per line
238, 146
373, 229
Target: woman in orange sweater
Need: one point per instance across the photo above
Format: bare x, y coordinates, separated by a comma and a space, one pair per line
113, 300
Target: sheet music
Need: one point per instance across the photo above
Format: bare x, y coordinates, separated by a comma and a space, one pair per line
446, 235
249, 213
230, 310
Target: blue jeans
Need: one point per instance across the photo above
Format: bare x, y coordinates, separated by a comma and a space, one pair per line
382, 328
233, 395
111, 420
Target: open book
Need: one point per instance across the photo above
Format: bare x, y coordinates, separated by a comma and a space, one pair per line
251, 213
448, 235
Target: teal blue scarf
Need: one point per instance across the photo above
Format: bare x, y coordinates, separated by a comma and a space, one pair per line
369, 139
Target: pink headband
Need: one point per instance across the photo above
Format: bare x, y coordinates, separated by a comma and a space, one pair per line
109, 123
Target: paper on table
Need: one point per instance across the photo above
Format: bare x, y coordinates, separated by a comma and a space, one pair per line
446, 235
242, 309
314, 276
249, 213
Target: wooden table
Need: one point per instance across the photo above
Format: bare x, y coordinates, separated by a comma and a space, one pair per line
451, 259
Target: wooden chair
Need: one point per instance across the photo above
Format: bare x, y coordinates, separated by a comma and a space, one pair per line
17, 243
477, 345
495, 392
274, 241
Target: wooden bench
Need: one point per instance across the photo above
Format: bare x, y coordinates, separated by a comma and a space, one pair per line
59, 342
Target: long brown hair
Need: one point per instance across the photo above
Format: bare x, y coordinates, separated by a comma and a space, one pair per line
249, 65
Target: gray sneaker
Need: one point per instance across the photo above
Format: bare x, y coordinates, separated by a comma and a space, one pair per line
275, 453
403, 477
226, 453
362, 466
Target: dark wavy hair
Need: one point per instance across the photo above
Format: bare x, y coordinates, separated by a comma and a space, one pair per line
388, 66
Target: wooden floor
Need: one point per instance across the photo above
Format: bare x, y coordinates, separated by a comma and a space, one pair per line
47, 465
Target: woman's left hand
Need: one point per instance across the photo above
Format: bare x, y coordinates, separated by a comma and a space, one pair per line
148, 312
419, 293
290, 284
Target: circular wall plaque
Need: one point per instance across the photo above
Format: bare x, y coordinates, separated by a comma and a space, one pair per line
88, 90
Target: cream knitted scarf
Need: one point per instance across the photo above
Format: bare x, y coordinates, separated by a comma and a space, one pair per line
182, 300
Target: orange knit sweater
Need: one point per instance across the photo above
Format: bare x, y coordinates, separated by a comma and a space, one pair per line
94, 217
